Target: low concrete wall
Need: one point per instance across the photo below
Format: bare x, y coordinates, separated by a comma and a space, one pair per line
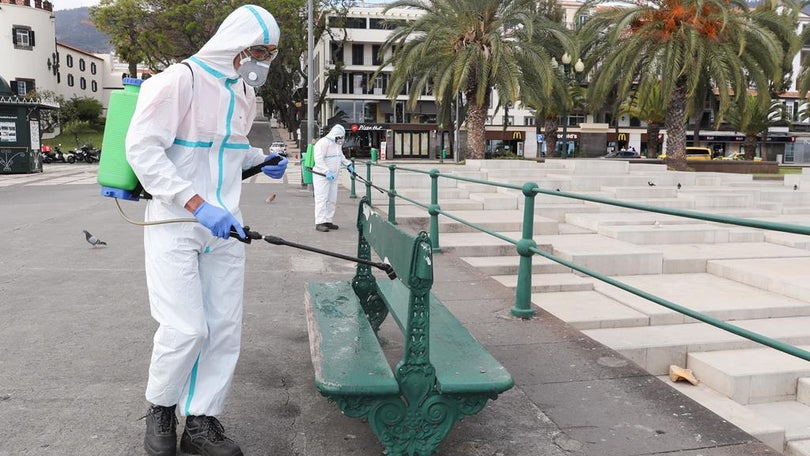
735, 166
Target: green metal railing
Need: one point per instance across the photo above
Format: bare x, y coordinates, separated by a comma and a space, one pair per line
526, 246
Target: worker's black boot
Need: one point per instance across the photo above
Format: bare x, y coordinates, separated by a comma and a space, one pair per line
161, 431
322, 227
205, 435
332, 226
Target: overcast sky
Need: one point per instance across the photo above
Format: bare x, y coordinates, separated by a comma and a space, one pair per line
70, 4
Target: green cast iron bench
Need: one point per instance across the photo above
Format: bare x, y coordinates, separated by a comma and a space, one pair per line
444, 375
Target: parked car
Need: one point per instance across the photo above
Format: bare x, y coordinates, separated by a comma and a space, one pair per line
694, 153
279, 147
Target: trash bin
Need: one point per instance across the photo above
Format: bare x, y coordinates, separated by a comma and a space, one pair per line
373, 155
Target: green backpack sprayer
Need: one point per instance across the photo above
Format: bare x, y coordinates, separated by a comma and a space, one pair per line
115, 176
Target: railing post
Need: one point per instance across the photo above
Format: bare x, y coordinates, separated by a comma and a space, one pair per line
523, 294
352, 194
434, 209
368, 182
392, 195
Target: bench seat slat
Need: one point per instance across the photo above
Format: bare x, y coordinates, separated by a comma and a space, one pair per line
346, 356
462, 364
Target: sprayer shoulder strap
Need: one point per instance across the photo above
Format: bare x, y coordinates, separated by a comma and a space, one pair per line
244, 86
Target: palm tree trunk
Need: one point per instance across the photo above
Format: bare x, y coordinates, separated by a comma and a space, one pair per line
476, 117
676, 127
750, 146
653, 130
551, 125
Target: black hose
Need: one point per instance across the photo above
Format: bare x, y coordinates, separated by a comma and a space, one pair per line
251, 235
253, 170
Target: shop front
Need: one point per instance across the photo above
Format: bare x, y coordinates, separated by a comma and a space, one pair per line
501, 143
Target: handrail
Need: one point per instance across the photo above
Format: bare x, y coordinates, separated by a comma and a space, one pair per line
526, 247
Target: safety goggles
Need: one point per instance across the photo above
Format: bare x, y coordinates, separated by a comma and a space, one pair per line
338, 138
263, 53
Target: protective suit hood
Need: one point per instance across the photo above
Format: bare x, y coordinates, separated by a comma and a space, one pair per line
336, 131
246, 26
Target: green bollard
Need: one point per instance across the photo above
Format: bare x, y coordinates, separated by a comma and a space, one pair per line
444, 155
373, 155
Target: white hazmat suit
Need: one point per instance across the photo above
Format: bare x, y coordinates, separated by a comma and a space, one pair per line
328, 159
188, 136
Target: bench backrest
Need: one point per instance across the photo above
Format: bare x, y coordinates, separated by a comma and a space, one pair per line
410, 256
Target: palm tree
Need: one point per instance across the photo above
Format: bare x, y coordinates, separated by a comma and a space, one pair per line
749, 117
466, 46
648, 104
682, 43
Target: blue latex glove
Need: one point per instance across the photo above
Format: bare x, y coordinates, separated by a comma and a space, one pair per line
330, 176
275, 171
351, 169
218, 220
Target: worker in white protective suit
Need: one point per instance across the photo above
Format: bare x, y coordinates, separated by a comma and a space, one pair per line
187, 144
328, 160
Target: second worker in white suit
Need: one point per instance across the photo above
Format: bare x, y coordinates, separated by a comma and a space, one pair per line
328, 160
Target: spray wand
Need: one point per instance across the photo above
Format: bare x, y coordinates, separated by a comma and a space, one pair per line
251, 235
356, 176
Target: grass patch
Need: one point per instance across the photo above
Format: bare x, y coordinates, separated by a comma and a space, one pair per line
68, 140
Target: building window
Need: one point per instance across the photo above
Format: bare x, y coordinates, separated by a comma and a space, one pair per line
93, 68
23, 37
70, 80
357, 54
82, 83
376, 56
94, 86
355, 23
81, 65
69, 61
22, 86
385, 24
336, 52
529, 121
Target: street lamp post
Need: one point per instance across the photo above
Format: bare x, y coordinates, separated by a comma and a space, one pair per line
569, 77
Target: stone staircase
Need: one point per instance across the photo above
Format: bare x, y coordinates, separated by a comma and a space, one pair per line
755, 279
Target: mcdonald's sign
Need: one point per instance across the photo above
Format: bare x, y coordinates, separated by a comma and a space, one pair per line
622, 137
517, 136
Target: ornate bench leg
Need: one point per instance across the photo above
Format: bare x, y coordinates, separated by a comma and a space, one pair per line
412, 430
365, 286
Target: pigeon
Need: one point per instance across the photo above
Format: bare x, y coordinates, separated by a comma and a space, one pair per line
651, 183
94, 241
679, 185
795, 187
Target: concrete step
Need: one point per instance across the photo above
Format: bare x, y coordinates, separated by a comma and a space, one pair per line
588, 309
550, 283
423, 194
655, 348
496, 200
786, 276
691, 258
645, 192
793, 416
803, 390
750, 376
605, 255
746, 419
495, 220
508, 265
682, 233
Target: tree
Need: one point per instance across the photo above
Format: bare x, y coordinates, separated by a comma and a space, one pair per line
467, 46
679, 43
648, 104
750, 118
161, 32
548, 102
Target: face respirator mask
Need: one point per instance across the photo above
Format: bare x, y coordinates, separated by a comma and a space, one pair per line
253, 72
339, 140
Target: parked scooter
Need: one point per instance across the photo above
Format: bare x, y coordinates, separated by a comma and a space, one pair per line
64, 157
89, 153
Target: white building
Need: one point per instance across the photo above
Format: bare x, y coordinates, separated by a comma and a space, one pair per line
28, 45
